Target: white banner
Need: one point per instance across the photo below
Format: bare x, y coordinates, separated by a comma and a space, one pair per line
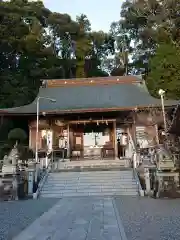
49, 139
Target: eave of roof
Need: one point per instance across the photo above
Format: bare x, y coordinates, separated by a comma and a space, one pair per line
90, 95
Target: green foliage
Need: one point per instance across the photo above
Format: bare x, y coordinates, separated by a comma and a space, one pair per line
5, 127
148, 34
165, 71
17, 134
143, 25
36, 44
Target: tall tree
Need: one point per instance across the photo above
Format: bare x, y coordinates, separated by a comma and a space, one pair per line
119, 64
36, 44
144, 22
23, 51
83, 44
102, 47
165, 71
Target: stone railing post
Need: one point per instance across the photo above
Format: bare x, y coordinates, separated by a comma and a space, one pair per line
31, 177
1, 189
135, 160
147, 180
36, 172
176, 179
15, 187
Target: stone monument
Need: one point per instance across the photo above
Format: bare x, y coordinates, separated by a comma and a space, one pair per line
10, 176
165, 161
166, 175
10, 162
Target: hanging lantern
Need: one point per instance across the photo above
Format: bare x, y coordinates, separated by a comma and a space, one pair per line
106, 132
43, 133
59, 123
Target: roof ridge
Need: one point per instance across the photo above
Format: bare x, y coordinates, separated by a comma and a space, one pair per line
89, 81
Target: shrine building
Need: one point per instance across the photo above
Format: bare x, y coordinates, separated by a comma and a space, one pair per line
91, 117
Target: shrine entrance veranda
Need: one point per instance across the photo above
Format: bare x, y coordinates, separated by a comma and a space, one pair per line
92, 139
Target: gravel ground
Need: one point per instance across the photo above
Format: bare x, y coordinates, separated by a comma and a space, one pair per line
150, 219
17, 215
143, 218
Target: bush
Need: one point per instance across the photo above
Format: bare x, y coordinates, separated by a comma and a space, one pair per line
17, 135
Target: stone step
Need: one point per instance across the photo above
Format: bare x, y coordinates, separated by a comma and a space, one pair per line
75, 185
56, 185
89, 190
91, 180
90, 168
90, 174
86, 169
96, 173
89, 186
97, 193
79, 174
60, 195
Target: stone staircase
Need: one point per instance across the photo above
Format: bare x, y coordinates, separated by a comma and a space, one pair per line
89, 183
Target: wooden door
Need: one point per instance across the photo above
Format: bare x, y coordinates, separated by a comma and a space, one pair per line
76, 140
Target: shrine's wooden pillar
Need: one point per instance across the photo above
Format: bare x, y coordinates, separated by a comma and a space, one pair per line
115, 140
68, 141
30, 137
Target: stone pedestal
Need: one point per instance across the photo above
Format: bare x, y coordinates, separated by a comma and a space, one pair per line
162, 176
14, 176
165, 161
168, 184
9, 169
30, 182
9, 187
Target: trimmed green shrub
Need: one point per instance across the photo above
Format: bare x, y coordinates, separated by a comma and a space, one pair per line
17, 135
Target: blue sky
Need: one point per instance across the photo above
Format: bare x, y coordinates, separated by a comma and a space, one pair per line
101, 13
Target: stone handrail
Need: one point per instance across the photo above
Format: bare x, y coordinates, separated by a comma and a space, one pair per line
136, 161
135, 155
131, 140
136, 177
43, 179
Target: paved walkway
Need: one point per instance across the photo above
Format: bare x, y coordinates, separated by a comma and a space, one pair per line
77, 218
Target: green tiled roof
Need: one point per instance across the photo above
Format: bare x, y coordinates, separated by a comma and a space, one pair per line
91, 97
